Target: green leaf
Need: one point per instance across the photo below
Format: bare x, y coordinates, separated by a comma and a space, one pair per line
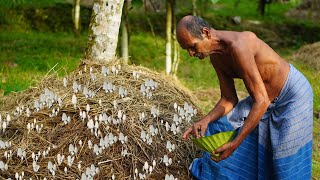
210, 143
136, 3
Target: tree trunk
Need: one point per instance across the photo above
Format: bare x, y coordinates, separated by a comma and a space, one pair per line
176, 51
124, 34
104, 29
168, 37
316, 4
194, 7
262, 4
77, 16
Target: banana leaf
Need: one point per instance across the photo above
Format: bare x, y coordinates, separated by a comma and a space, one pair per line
212, 142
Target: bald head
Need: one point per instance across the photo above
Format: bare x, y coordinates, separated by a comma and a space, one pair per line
193, 25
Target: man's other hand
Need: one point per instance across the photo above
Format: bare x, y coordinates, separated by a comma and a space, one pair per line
225, 151
198, 129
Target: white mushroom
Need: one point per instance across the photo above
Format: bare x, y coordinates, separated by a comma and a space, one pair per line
65, 82
74, 101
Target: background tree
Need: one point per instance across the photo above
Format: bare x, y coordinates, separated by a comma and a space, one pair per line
262, 6
194, 7
124, 32
203, 6
104, 29
316, 4
76, 16
176, 49
168, 35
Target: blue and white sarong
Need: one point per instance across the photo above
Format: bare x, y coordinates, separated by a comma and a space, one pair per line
280, 147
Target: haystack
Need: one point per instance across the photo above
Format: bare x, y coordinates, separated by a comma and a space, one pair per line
309, 55
102, 121
308, 9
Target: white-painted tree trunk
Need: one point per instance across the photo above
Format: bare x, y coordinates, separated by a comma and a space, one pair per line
168, 37
104, 29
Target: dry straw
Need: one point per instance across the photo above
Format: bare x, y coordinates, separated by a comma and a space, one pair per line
53, 136
309, 55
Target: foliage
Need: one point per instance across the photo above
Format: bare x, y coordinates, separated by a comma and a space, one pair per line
29, 3
136, 3
45, 19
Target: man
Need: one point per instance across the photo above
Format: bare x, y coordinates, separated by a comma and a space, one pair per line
274, 124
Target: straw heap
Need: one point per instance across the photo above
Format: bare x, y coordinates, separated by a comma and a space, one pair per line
309, 54
103, 121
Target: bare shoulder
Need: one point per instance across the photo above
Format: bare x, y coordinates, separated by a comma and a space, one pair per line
245, 40
248, 34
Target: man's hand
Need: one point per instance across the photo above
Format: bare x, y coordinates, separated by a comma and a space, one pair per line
225, 151
200, 126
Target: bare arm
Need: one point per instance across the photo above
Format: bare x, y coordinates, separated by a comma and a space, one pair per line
227, 101
228, 96
252, 79
248, 70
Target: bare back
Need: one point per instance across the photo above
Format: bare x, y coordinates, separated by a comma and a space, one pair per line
272, 68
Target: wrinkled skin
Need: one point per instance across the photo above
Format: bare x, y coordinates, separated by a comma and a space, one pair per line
235, 55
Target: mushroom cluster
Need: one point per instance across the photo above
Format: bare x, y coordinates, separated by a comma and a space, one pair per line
112, 122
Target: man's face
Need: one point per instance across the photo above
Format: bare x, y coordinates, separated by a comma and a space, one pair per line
195, 46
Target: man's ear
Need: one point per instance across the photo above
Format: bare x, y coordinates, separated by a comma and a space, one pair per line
206, 32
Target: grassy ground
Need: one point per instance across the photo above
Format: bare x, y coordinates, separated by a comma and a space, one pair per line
246, 9
316, 150
28, 55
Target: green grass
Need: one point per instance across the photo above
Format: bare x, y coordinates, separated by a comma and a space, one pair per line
247, 9
314, 78
26, 55
149, 51
316, 149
